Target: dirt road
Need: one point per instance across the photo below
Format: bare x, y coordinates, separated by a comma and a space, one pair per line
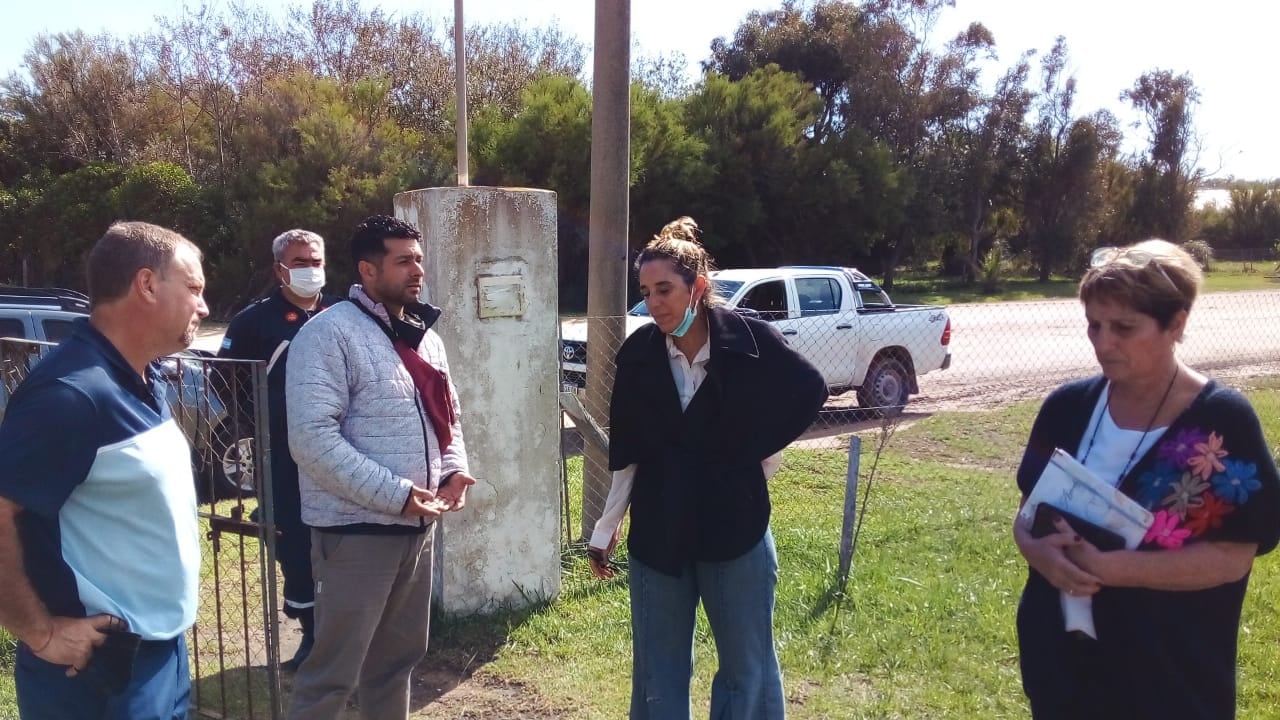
1010, 351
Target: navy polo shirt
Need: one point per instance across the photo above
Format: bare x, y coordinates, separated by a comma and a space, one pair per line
103, 474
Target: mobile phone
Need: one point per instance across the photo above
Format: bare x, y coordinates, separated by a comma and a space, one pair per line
1100, 537
111, 665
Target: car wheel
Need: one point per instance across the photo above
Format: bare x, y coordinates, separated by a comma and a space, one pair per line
232, 468
885, 389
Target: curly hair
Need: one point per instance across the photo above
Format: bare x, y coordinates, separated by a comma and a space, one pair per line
367, 240
678, 243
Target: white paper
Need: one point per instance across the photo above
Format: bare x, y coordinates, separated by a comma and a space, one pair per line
1070, 486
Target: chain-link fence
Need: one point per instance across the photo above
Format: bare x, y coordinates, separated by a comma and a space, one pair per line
891, 364
220, 405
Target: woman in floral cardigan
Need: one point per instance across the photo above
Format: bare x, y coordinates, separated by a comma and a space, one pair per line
1189, 450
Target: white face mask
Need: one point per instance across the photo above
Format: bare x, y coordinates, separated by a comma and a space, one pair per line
306, 281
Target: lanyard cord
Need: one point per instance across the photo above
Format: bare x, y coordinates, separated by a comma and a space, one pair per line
1133, 455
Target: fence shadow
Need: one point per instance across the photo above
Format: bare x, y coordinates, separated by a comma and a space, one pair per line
238, 692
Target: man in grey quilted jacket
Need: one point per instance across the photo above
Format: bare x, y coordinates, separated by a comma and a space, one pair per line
375, 427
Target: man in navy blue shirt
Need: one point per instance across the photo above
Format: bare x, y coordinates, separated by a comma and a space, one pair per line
99, 540
263, 331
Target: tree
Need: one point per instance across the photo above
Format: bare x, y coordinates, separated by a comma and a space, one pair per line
1168, 176
1253, 218
811, 45
876, 76
754, 132
668, 171
992, 154
80, 98
317, 161
1063, 191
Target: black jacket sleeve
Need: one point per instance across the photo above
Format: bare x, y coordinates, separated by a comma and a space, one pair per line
790, 393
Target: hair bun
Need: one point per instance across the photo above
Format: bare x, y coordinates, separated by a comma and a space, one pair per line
682, 228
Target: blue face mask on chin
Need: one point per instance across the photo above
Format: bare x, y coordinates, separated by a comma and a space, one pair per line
687, 322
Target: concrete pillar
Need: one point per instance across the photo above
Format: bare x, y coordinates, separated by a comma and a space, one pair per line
490, 257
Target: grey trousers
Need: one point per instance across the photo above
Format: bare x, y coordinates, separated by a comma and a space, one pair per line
373, 613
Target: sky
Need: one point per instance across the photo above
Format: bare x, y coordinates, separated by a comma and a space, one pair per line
1111, 42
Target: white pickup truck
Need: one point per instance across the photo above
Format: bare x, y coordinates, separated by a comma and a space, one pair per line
837, 317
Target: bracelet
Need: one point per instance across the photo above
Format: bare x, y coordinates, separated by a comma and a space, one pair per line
48, 641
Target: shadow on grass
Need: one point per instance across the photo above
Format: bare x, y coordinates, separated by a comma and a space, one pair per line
238, 692
460, 647
833, 597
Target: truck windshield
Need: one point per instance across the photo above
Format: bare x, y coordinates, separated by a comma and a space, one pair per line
724, 288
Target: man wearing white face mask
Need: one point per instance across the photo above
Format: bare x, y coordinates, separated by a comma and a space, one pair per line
263, 331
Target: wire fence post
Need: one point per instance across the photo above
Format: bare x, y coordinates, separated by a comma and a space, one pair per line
850, 508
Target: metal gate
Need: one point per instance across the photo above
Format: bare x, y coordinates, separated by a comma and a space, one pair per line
235, 643
221, 405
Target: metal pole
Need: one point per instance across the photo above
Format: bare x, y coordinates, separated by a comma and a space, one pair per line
460, 61
850, 509
607, 258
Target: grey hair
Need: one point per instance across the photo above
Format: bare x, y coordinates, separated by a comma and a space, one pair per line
294, 237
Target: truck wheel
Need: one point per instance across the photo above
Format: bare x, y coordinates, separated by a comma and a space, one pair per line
884, 391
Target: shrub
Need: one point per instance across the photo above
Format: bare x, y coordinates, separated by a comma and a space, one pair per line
1201, 251
995, 267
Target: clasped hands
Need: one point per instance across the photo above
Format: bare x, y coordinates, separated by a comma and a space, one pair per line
451, 496
1066, 560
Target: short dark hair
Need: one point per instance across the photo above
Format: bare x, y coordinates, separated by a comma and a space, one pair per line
1154, 277
123, 250
367, 240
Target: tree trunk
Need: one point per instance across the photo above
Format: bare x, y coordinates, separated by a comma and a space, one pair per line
891, 259
975, 241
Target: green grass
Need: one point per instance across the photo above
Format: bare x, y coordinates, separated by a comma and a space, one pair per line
1232, 276
926, 628
929, 289
8, 695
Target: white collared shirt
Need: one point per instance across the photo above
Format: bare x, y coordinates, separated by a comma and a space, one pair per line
688, 377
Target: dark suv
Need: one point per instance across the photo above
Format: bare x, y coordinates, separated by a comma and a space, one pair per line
33, 320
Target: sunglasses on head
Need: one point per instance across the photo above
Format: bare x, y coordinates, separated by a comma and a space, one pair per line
1131, 257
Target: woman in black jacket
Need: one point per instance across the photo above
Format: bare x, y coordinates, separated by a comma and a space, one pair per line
704, 401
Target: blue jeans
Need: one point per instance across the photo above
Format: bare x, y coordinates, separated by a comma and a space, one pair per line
738, 598
160, 688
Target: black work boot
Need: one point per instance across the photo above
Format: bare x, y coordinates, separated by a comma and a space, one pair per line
307, 620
